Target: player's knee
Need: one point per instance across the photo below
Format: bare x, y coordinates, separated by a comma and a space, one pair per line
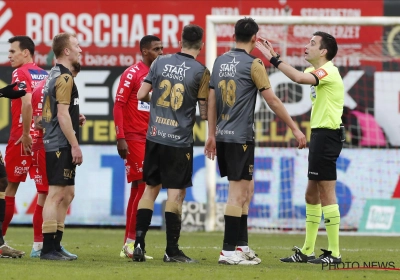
3, 184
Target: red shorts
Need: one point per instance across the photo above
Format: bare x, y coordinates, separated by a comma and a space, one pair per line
37, 171
134, 160
17, 163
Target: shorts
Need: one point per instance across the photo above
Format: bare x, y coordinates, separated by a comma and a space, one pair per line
16, 162
236, 160
170, 166
325, 148
134, 161
59, 167
37, 171
3, 173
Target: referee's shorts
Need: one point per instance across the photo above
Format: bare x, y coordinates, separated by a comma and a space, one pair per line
325, 148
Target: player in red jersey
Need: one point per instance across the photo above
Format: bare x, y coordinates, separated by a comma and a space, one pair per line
5, 250
131, 118
37, 170
18, 151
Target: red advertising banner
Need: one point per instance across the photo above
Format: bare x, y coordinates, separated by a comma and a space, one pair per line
109, 31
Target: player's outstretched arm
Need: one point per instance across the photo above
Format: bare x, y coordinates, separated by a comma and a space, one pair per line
292, 73
9, 92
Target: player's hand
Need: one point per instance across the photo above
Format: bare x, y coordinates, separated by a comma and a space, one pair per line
301, 138
9, 92
266, 48
82, 119
210, 150
77, 157
26, 143
122, 148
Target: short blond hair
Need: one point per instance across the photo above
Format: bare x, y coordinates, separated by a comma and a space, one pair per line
60, 42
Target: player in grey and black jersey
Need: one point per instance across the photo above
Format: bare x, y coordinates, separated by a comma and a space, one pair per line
236, 78
178, 82
60, 123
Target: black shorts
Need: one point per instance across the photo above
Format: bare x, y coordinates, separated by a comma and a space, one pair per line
60, 169
3, 173
172, 167
325, 148
236, 160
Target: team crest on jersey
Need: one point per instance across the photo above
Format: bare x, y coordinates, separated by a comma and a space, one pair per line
228, 69
320, 73
177, 72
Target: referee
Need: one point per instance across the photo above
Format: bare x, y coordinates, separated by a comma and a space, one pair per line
327, 97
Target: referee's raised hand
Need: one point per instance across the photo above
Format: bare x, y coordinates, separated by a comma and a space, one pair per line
9, 92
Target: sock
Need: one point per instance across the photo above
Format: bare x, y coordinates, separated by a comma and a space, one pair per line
2, 213
173, 224
49, 230
37, 224
58, 237
128, 240
243, 248
143, 220
332, 223
132, 221
313, 219
9, 213
243, 238
232, 217
227, 253
37, 246
129, 211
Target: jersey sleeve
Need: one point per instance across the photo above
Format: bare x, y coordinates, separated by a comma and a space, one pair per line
23, 81
64, 86
204, 85
213, 77
259, 75
125, 87
321, 74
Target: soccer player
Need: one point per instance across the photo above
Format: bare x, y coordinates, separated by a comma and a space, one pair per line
327, 97
37, 170
178, 81
131, 118
18, 151
60, 121
236, 79
5, 250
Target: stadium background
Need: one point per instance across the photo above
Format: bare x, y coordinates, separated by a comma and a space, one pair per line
109, 33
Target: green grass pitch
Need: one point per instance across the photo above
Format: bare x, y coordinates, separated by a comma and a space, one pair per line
98, 257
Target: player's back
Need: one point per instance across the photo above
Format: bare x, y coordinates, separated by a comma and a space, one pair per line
233, 79
176, 80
